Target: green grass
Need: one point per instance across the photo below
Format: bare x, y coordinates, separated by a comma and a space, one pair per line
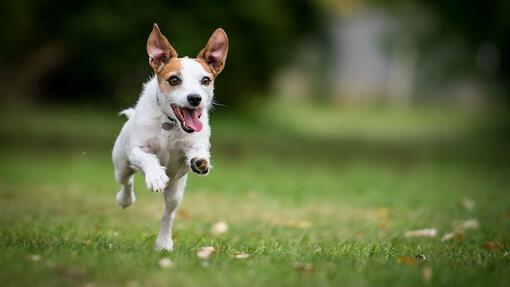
336, 188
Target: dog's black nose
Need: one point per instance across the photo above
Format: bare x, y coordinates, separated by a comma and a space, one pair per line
194, 99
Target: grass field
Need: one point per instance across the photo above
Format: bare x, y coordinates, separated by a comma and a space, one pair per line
315, 196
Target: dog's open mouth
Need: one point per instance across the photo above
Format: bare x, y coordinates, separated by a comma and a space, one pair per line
189, 118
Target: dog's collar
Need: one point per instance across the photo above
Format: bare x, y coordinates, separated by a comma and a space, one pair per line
166, 125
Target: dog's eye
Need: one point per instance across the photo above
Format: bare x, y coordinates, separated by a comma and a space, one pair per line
205, 81
174, 81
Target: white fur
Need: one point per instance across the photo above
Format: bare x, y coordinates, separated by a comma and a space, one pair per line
163, 156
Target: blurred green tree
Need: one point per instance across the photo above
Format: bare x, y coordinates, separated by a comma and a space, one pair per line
94, 51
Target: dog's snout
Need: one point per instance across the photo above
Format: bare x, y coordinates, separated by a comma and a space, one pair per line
194, 99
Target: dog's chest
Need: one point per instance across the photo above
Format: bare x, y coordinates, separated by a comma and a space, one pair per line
169, 146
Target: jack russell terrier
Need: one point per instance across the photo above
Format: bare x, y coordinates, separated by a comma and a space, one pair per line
167, 132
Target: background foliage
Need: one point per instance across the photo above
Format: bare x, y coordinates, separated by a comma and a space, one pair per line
94, 51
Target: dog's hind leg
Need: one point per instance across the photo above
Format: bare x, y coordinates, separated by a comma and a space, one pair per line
125, 176
173, 197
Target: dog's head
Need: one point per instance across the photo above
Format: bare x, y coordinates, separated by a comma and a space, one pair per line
186, 84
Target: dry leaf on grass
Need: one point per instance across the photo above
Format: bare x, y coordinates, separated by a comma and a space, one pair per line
426, 274
205, 252
428, 232
459, 236
406, 260
459, 228
166, 262
489, 245
303, 267
219, 228
461, 225
241, 255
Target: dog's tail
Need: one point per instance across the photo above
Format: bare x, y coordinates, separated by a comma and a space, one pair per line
128, 113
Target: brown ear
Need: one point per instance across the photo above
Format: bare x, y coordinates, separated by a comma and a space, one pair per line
215, 52
159, 49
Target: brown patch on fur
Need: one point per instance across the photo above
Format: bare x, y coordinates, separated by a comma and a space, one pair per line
206, 67
154, 146
215, 52
159, 49
173, 67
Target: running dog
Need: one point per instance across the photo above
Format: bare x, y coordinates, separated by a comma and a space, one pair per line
167, 132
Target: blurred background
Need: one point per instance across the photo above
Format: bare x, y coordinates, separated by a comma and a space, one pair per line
336, 52
351, 70
310, 81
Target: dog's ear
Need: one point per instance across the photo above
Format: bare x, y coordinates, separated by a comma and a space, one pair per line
159, 49
215, 52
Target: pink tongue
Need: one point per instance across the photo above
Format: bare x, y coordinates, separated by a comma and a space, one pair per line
192, 120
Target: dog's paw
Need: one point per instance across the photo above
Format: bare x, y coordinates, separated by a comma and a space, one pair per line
156, 180
125, 199
199, 165
164, 244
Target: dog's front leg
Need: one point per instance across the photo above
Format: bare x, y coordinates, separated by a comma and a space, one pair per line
155, 175
199, 158
173, 197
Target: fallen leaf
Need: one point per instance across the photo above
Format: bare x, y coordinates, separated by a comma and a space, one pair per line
467, 203
462, 225
219, 228
459, 236
428, 232
241, 255
489, 245
166, 262
406, 260
426, 274
303, 267
205, 252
